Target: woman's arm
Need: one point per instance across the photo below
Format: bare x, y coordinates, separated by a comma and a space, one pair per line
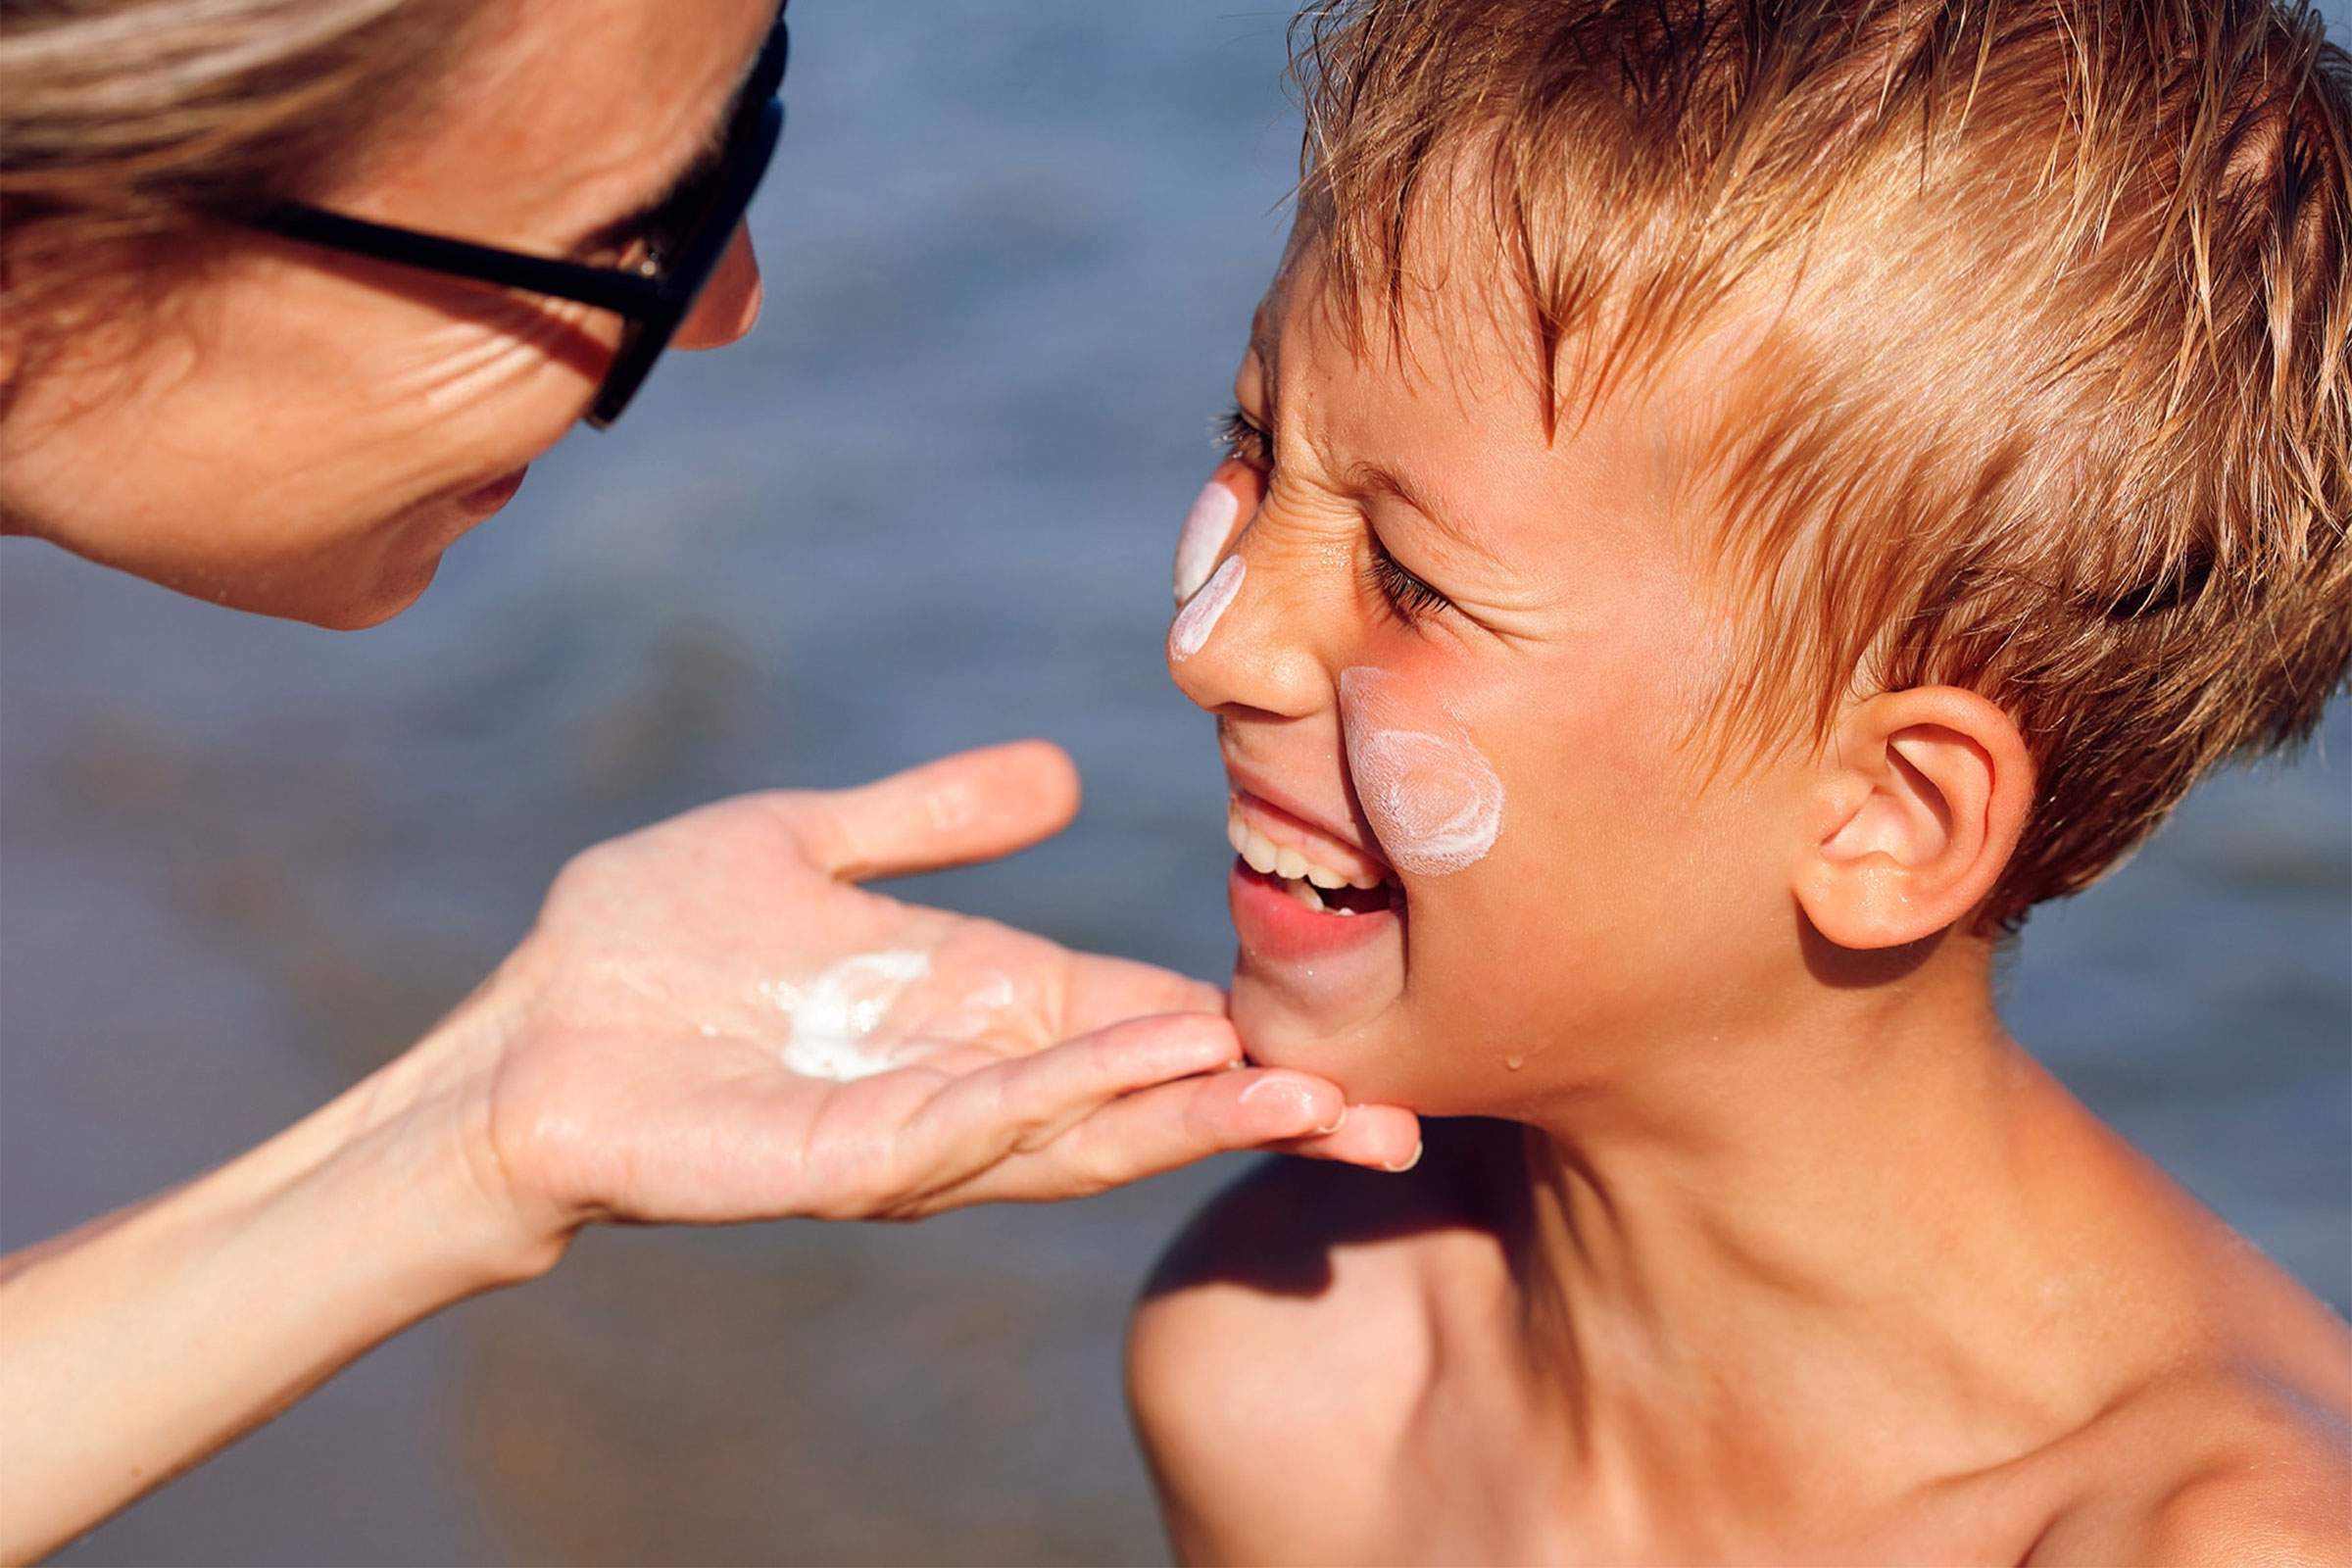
136, 1346
631, 1061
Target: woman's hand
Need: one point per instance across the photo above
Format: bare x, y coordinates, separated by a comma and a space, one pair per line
656, 1050
712, 1022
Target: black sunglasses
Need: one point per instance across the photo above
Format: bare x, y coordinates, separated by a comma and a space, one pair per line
684, 238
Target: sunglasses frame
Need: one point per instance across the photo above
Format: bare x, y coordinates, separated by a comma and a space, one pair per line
652, 299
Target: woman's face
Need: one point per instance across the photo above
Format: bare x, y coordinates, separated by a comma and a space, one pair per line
303, 434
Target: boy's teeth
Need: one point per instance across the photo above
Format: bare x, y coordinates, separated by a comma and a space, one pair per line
1260, 853
1267, 858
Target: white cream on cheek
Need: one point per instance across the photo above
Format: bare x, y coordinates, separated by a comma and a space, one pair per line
1201, 613
1434, 803
837, 1013
1207, 527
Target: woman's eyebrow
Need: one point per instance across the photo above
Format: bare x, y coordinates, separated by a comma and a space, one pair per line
675, 179
678, 171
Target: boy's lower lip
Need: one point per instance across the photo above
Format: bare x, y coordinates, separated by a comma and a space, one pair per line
1274, 925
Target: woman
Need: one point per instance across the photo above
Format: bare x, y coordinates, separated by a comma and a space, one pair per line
237, 362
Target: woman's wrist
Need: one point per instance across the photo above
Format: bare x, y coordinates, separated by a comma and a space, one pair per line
146, 1341
422, 1130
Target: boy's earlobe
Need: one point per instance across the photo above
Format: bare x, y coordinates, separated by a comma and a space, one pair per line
1922, 796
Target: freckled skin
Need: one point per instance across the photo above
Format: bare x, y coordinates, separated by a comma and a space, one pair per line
304, 422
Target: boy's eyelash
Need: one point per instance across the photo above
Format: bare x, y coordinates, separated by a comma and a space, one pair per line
1408, 594
1244, 440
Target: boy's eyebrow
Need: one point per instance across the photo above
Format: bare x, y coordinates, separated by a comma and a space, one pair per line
1262, 342
1367, 475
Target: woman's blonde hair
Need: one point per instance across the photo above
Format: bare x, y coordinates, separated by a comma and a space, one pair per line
125, 123
2049, 303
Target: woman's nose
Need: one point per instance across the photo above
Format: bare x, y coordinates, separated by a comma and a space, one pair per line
729, 302
1242, 642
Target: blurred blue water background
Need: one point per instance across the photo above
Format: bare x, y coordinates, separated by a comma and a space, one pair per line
1010, 253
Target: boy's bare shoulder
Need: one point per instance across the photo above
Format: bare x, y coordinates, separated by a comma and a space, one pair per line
1279, 1347
2213, 1463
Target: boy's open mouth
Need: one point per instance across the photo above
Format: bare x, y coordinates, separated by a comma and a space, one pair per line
1317, 873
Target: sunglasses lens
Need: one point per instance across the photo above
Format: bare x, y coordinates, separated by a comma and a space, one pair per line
691, 235
689, 267
640, 344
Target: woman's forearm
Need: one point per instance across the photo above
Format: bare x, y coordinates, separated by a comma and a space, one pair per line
135, 1347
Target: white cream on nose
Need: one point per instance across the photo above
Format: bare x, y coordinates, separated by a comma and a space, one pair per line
1207, 527
1434, 803
1201, 613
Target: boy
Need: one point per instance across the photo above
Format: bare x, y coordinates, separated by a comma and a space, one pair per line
1736, 505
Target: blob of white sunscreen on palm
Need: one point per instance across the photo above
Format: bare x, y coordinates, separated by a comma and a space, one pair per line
1199, 615
1207, 527
1434, 803
837, 1013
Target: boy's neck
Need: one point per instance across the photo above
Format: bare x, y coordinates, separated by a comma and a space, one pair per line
1785, 1242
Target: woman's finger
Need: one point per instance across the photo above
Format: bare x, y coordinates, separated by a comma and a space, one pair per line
1100, 991
1024, 1102
1164, 1129
1382, 1137
975, 805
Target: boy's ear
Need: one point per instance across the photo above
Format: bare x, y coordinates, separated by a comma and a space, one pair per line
1919, 802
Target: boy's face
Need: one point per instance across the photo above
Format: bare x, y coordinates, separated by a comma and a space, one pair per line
1469, 660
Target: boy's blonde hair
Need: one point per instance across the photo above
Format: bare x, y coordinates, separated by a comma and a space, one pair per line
2046, 312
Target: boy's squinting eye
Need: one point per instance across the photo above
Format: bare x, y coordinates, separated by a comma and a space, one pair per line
1408, 596
1244, 440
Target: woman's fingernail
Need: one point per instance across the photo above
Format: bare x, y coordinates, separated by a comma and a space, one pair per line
1338, 1122
1286, 1100
1410, 1161
1207, 527
1205, 1050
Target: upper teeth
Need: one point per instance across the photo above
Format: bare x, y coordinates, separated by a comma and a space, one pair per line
1266, 855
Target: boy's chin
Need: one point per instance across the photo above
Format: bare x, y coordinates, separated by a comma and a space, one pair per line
1361, 1053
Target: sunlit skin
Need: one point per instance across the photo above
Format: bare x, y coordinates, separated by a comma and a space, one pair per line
1565, 598
1794, 1254
305, 434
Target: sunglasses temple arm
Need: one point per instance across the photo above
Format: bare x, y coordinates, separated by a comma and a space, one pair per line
603, 287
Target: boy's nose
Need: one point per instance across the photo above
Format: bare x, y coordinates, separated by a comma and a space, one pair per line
1238, 644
